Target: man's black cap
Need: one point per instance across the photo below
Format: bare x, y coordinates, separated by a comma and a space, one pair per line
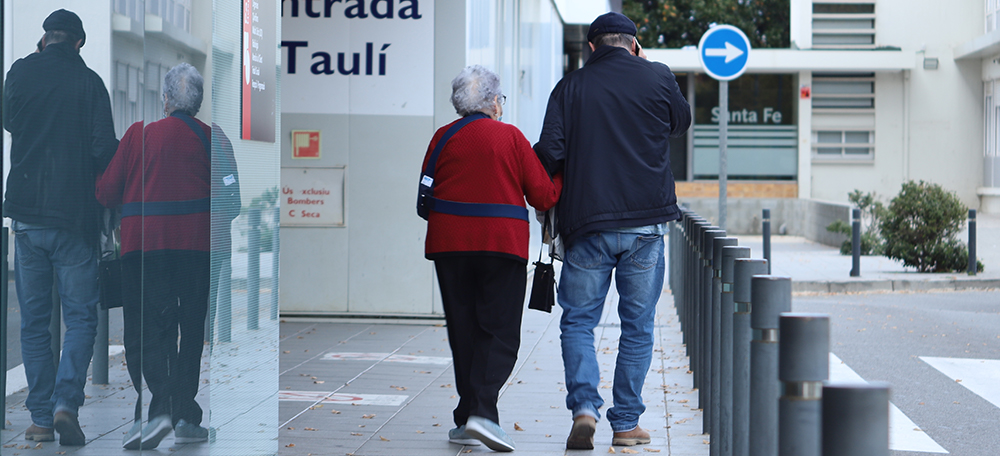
66, 21
611, 23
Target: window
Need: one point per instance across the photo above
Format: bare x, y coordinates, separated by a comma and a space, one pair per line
843, 144
841, 91
992, 13
844, 25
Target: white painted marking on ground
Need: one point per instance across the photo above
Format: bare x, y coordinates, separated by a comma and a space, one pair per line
16, 381
978, 375
391, 400
903, 435
440, 360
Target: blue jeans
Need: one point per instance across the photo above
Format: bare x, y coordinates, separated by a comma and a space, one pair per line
40, 252
638, 262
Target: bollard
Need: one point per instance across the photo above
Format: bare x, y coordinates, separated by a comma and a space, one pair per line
707, 274
973, 266
225, 318
769, 297
275, 250
715, 332
694, 270
727, 307
99, 363
4, 277
766, 232
803, 366
253, 270
855, 242
743, 270
856, 419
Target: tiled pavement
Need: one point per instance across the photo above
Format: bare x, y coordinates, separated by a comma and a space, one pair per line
387, 389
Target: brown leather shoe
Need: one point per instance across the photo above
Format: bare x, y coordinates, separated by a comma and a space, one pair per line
39, 434
636, 436
69, 430
581, 437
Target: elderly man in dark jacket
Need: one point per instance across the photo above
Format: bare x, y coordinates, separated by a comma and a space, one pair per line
59, 116
607, 129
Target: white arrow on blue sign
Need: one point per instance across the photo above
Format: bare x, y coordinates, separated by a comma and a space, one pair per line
724, 50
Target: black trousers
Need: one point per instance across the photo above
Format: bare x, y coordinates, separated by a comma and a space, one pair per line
164, 292
483, 300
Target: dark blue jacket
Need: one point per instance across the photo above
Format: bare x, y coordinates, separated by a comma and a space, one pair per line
607, 129
62, 136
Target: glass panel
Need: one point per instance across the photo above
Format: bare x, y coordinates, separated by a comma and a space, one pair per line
844, 103
855, 24
824, 39
857, 137
828, 137
843, 8
829, 150
857, 151
843, 87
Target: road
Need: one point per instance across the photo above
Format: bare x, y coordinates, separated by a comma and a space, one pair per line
939, 351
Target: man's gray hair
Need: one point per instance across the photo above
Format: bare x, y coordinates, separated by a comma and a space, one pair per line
474, 89
622, 40
183, 88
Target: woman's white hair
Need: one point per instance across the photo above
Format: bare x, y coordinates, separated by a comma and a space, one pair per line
183, 88
474, 89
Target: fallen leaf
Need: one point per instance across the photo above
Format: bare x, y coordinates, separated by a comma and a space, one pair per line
436, 425
368, 417
319, 382
611, 450
958, 380
548, 435
918, 429
335, 412
289, 445
651, 450
356, 433
308, 429
420, 432
629, 451
517, 427
383, 438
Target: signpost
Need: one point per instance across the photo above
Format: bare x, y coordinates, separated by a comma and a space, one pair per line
724, 51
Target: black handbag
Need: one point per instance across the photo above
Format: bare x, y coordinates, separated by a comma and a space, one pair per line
110, 282
543, 286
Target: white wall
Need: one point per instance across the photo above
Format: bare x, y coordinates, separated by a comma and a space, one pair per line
931, 127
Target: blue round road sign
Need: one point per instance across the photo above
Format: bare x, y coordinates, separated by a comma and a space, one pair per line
723, 50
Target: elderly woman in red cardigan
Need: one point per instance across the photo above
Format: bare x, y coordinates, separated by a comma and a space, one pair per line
477, 236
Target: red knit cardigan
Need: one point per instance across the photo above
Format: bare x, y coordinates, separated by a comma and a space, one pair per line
486, 162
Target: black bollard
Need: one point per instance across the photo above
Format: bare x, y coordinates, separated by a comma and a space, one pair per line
803, 366
708, 274
769, 297
766, 232
698, 227
744, 269
715, 332
856, 419
99, 363
253, 270
855, 242
729, 256
973, 266
4, 272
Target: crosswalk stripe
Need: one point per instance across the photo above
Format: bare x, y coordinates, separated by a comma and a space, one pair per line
977, 375
904, 435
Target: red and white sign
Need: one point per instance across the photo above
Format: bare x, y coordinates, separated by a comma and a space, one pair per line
312, 196
305, 144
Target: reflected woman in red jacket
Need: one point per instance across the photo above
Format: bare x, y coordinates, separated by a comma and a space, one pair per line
481, 259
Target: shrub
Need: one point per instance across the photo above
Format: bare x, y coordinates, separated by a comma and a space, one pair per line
872, 211
920, 227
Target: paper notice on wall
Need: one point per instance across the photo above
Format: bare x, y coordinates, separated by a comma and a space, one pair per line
312, 196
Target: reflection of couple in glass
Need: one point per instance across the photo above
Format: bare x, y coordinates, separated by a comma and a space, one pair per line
163, 178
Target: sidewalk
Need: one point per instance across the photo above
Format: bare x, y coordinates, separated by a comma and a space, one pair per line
816, 267
387, 389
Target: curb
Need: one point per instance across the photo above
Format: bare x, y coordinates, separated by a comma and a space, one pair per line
864, 286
